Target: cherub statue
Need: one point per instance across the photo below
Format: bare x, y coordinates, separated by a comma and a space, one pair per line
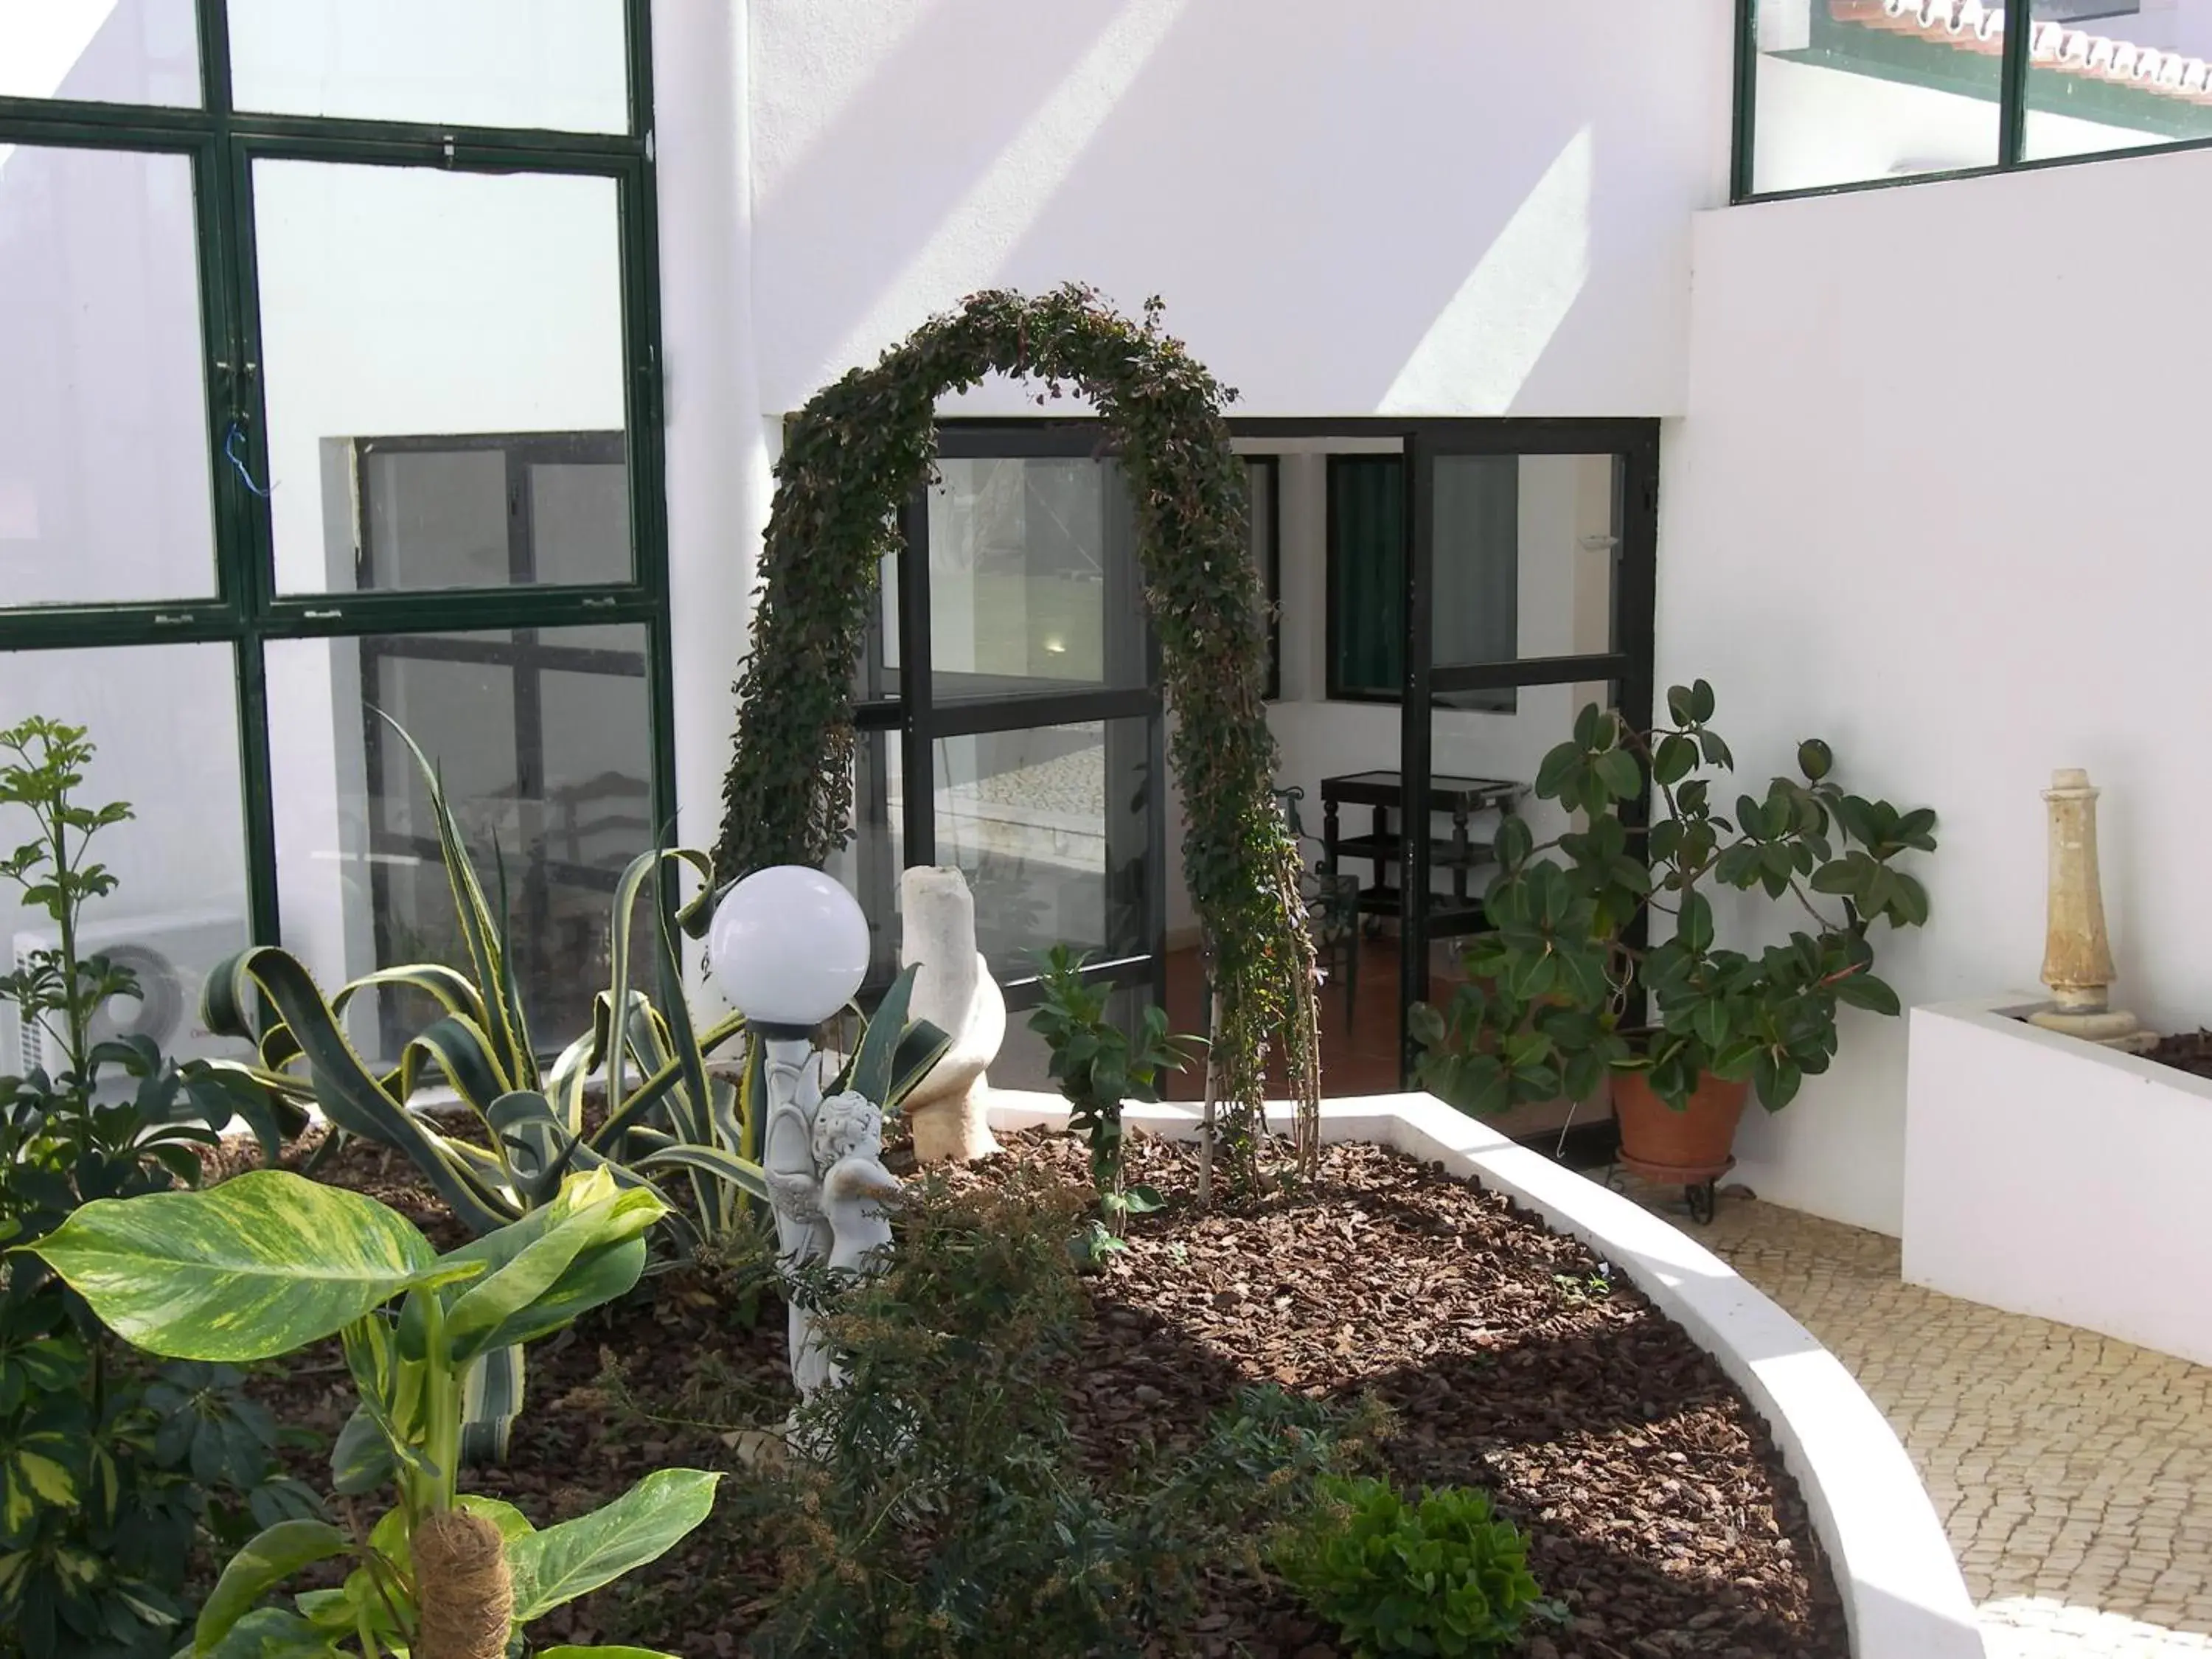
835, 1214
848, 1150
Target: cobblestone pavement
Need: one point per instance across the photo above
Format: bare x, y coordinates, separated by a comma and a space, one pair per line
2073, 1472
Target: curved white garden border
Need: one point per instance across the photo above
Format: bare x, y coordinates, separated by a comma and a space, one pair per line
1902, 1592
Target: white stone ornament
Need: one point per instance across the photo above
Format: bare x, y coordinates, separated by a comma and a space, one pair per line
953, 990
2077, 956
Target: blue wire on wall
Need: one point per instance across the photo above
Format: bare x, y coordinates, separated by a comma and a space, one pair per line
230, 441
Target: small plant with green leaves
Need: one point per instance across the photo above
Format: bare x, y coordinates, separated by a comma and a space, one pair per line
1541, 1013
108, 1480
1099, 1069
268, 1262
1443, 1574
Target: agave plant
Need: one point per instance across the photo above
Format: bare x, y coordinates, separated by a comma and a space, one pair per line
667, 1116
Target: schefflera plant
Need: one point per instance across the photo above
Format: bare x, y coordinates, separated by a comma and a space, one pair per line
1541, 1012
268, 1262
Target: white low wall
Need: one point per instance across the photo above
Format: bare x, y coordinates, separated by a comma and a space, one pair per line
2047, 1176
1902, 1592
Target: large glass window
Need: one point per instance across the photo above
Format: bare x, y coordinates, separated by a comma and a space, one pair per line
1845, 92
310, 425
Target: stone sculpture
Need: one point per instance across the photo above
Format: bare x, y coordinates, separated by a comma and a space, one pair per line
2077, 958
955, 992
831, 1210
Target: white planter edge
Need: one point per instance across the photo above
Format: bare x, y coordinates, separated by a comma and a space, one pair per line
1903, 1594
2050, 1176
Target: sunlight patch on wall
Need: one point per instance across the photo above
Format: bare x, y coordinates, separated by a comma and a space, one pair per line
45, 42
1484, 345
970, 246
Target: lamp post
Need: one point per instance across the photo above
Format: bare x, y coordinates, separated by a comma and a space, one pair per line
789, 949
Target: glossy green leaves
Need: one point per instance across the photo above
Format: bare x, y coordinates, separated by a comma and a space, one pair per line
577, 1557
1623, 909
261, 1265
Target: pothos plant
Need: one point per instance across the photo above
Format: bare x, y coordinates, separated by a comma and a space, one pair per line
851, 459
1099, 1067
1541, 1011
268, 1262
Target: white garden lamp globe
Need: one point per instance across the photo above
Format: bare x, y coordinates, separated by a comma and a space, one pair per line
790, 947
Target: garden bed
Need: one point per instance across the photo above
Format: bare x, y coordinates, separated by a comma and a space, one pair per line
1656, 1505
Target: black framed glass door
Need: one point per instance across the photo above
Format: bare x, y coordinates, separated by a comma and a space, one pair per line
1009, 714
1529, 593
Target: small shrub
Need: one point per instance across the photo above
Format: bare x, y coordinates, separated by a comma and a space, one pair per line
1444, 1575
1098, 1068
943, 1509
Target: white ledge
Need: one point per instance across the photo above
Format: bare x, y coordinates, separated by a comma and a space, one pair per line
1903, 1596
2048, 1176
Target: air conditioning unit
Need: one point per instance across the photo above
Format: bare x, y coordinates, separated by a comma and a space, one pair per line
169, 954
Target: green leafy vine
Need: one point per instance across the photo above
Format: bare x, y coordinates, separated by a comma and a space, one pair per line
857, 452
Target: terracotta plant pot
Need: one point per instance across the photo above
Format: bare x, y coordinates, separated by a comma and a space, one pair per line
1677, 1149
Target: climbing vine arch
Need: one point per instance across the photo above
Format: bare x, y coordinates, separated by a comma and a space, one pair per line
857, 453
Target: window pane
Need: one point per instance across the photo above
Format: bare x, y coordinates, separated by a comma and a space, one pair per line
2131, 74
486, 513
1051, 826
1366, 575
1850, 90
555, 63
1032, 578
870, 865
543, 740
114, 51
165, 721
104, 484
404, 309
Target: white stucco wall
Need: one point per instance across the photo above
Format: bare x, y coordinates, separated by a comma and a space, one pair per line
1473, 207
1937, 499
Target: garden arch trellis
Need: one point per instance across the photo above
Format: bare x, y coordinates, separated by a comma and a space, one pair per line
857, 452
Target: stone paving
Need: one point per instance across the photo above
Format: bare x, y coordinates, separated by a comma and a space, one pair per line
2073, 1472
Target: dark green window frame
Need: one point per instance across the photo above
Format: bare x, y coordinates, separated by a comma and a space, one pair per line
245, 611
1924, 63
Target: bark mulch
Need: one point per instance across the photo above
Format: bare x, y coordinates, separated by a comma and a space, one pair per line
2187, 1051
1655, 1504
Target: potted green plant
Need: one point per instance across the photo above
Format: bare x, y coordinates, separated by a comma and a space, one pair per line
1582, 923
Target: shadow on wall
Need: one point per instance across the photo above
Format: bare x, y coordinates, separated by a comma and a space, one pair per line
1482, 211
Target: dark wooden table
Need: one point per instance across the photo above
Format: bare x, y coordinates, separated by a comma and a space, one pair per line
1459, 852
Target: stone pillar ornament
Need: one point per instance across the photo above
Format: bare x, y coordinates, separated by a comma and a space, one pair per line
2077, 958
955, 993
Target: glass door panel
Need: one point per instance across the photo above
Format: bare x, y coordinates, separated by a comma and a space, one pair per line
1031, 570
1052, 827
1533, 571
